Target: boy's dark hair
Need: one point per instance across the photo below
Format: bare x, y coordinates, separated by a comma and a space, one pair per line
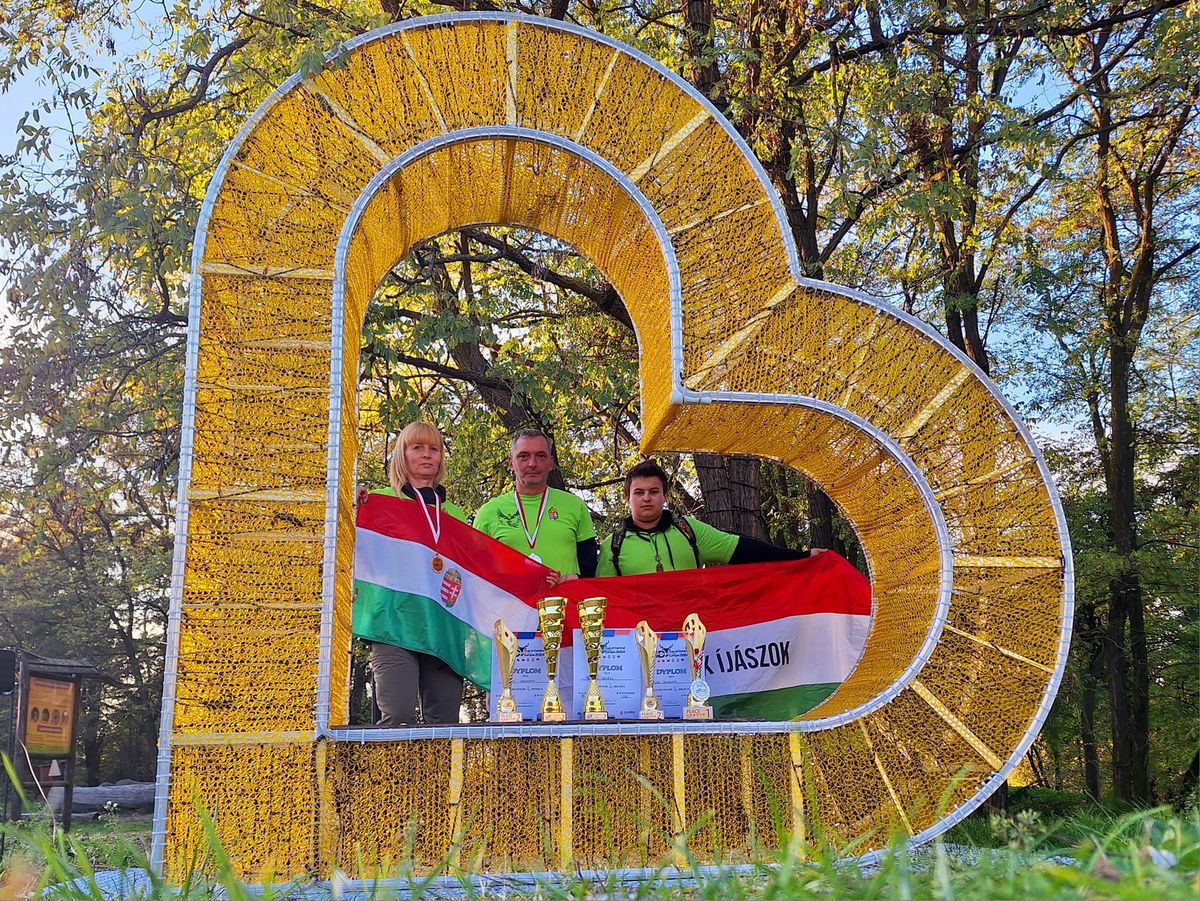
647, 469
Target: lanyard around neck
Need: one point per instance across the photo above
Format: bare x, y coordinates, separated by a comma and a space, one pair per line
531, 537
651, 538
435, 524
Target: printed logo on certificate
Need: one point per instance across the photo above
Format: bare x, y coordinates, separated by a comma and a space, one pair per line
619, 674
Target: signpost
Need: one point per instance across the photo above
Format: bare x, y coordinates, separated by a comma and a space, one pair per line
44, 709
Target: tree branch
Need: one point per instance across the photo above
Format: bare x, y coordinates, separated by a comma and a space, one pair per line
199, 93
605, 298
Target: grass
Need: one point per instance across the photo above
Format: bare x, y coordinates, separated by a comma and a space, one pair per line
1037, 853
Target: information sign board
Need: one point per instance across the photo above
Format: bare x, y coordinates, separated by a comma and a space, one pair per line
49, 717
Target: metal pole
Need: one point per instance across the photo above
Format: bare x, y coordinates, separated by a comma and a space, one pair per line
69, 775
11, 750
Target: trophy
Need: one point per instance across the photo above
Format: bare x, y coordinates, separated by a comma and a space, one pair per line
697, 700
591, 623
506, 657
647, 640
550, 621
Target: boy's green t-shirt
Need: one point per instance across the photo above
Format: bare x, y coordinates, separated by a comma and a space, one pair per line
565, 522
674, 551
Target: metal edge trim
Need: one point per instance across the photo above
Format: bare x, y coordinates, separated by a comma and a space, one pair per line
321, 709
607, 41
945, 547
337, 351
532, 729
162, 780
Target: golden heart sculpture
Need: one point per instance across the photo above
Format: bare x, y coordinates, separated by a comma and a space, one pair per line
439, 123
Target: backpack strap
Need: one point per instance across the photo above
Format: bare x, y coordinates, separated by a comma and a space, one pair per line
689, 533
618, 539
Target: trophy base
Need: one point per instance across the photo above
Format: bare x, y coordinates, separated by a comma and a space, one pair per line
596, 715
510, 716
560, 717
697, 713
650, 715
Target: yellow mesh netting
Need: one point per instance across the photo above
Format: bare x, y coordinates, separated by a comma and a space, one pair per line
255, 616
263, 804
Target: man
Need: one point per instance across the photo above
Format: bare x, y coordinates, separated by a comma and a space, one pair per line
651, 539
551, 526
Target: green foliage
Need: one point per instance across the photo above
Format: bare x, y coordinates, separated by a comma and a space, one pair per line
458, 319
1143, 855
924, 152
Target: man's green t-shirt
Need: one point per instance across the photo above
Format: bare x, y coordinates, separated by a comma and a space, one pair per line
565, 523
641, 552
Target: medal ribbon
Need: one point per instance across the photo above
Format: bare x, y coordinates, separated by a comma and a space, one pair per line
531, 537
437, 508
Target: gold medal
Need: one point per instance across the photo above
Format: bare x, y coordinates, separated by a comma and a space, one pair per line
531, 537
435, 527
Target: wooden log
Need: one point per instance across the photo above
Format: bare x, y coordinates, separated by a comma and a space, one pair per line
126, 795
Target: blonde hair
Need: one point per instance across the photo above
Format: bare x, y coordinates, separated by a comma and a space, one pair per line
413, 433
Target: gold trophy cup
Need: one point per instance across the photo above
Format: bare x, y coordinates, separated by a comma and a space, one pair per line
550, 621
506, 658
647, 640
591, 623
697, 707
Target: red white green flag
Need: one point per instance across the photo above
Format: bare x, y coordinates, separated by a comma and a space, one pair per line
781, 636
442, 601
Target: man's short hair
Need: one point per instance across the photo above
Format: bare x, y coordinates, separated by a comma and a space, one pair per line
645, 470
531, 433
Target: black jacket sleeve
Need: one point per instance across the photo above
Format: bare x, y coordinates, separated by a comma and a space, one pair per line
589, 555
751, 550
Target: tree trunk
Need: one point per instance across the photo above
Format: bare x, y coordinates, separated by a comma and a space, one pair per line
1038, 765
1118, 698
1128, 676
127, 795
88, 726
1188, 781
732, 492
1139, 672
700, 64
92, 746
1092, 678
820, 520
997, 801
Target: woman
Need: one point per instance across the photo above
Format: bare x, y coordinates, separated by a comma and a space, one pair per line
402, 675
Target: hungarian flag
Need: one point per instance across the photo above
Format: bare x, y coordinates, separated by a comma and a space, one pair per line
441, 598
781, 636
